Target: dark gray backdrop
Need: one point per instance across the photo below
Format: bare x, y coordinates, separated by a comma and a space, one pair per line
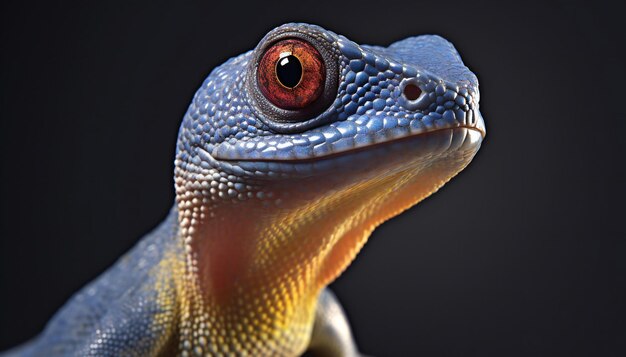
524, 254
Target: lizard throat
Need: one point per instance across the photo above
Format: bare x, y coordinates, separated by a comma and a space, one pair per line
256, 266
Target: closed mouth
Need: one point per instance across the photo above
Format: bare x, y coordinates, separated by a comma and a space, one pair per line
363, 148
478, 128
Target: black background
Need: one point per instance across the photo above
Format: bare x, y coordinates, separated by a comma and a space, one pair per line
524, 254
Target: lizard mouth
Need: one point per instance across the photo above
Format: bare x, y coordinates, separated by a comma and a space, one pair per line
246, 154
389, 156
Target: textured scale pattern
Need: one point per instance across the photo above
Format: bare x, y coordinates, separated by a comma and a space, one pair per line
272, 205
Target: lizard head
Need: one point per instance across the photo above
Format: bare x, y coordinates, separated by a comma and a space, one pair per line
291, 154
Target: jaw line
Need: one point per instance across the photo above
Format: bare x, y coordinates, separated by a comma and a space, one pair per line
479, 129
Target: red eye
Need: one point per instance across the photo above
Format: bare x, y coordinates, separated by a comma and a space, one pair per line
291, 74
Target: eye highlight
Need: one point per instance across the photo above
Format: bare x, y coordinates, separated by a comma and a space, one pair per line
291, 74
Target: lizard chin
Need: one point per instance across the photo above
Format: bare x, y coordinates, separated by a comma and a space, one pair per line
323, 210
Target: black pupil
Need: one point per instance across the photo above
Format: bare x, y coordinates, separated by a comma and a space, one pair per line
289, 71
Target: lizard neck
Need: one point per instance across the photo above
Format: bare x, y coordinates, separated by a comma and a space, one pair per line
247, 285
255, 267
259, 252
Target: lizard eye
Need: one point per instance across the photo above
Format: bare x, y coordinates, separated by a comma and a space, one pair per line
292, 78
291, 74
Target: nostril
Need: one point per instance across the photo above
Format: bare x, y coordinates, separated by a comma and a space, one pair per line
411, 92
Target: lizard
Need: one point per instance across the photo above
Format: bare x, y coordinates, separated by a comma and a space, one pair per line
287, 158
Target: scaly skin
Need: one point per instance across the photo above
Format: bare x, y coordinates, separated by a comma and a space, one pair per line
273, 204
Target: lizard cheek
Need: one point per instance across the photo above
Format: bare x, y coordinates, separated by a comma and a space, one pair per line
291, 74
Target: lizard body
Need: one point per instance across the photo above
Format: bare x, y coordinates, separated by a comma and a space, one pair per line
287, 158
